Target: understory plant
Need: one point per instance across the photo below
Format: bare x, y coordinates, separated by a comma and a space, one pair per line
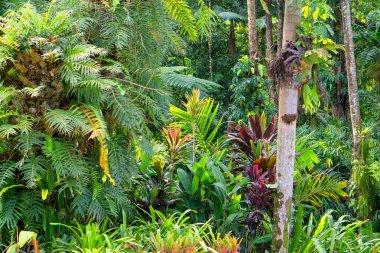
332, 235
254, 157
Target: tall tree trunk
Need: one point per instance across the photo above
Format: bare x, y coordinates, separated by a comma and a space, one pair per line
209, 44
269, 53
231, 41
288, 100
253, 37
340, 98
353, 95
280, 25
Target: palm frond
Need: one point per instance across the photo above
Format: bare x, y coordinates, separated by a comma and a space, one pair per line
311, 188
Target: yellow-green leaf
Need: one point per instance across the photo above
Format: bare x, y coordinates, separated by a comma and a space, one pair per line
44, 193
316, 13
306, 11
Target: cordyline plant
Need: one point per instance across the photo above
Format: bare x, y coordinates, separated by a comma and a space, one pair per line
176, 144
253, 157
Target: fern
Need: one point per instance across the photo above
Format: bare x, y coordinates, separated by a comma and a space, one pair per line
10, 212
185, 83
66, 121
67, 160
180, 12
32, 168
125, 112
26, 141
122, 165
206, 21
7, 173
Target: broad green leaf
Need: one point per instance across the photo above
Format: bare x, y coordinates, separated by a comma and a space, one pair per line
185, 179
25, 237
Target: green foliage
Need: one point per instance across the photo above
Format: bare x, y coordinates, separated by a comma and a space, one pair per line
91, 238
249, 93
198, 118
24, 238
204, 188
329, 235
311, 187
87, 86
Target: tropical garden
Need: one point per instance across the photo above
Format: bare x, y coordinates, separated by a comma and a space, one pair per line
174, 126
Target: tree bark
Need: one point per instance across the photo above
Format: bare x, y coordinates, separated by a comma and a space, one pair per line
231, 42
280, 25
353, 94
253, 37
269, 33
288, 100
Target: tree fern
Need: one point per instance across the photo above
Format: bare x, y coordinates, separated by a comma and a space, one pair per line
185, 83
206, 20
127, 113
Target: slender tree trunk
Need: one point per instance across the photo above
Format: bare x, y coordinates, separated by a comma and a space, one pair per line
209, 44
280, 11
253, 37
231, 42
269, 33
353, 95
288, 100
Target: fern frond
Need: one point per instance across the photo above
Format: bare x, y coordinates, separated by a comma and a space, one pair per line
26, 141
10, 213
32, 168
99, 130
185, 83
24, 125
126, 113
66, 121
6, 94
180, 12
91, 89
67, 160
122, 164
7, 172
206, 21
